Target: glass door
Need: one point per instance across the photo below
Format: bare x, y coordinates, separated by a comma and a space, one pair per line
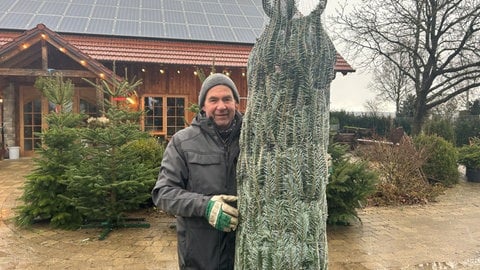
31, 113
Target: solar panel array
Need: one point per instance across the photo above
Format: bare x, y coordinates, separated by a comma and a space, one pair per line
238, 21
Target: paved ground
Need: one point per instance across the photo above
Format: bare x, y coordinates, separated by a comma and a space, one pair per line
442, 235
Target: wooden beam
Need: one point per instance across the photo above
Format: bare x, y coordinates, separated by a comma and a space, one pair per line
23, 59
39, 72
44, 55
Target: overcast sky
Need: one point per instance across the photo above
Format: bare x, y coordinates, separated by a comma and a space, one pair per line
350, 92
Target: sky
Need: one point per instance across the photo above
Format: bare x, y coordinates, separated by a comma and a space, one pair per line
350, 92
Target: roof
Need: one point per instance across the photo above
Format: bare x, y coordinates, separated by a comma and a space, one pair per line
205, 20
41, 35
156, 51
194, 32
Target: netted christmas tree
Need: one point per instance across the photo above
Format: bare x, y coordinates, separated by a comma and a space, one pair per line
282, 170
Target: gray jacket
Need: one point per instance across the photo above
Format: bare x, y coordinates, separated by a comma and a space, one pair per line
198, 164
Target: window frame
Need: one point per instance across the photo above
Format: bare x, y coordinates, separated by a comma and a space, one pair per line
165, 115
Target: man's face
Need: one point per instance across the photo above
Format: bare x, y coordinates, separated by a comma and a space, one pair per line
220, 105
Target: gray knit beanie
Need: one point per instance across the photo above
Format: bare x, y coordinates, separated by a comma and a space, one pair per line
213, 80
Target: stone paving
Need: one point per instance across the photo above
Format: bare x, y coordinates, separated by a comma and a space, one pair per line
441, 235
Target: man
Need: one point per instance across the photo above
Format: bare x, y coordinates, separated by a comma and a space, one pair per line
197, 181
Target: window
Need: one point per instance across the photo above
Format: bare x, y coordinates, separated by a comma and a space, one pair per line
88, 108
32, 124
163, 115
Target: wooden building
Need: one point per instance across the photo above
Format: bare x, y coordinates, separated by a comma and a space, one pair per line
90, 41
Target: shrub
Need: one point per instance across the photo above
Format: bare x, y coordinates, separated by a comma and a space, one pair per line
469, 155
442, 128
349, 186
441, 159
401, 179
466, 126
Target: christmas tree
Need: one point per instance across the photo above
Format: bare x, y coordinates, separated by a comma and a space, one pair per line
282, 172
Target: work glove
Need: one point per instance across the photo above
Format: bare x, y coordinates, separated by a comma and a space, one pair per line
221, 215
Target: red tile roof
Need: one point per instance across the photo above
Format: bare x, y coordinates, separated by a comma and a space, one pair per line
163, 51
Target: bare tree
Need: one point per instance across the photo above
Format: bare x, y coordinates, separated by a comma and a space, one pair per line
440, 38
391, 84
373, 107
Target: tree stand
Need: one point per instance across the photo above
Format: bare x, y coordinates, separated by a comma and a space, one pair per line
109, 226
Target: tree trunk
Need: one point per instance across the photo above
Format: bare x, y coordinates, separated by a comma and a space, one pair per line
282, 170
419, 115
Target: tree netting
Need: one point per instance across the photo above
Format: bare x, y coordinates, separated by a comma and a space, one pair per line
282, 170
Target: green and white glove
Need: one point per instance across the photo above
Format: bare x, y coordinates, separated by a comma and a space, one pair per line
221, 215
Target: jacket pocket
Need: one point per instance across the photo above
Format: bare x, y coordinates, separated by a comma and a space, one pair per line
206, 173
206, 160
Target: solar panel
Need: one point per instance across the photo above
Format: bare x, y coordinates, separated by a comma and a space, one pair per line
208, 20
104, 12
5, 5
79, 10
173, 5
49, 21
100, 26
51, 8
129, 3
15, 21
223, 33
196, 18
218, 20
73, 24
174, 17
25, 7
110, 3
213, 8
193, 6
199, 32
126, 28
128, 14
152, 15
231, 9
238, 21
176, 31
244, 35
152, 29
153, 4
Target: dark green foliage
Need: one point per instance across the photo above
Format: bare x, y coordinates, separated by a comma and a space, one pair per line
111, 179
148, 151
466, 126
97, 171
469, 155
350, 185
441, 159
441, 127
407, 107
475, 107
380, 124
62, 149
